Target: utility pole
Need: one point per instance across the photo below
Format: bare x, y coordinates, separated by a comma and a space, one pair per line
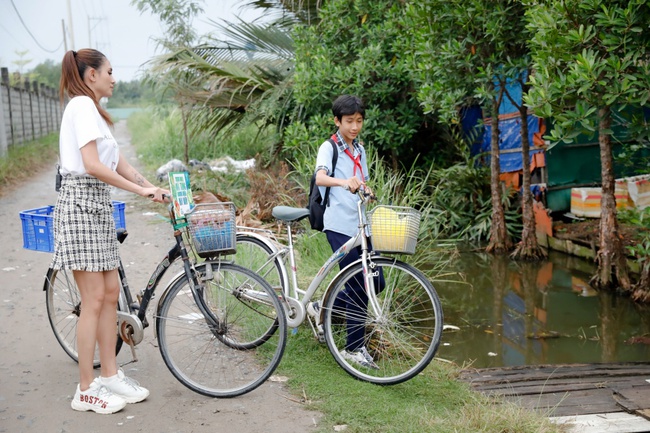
65, 40
98, 19
70, 26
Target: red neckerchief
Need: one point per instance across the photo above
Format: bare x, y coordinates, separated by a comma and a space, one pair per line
356, 160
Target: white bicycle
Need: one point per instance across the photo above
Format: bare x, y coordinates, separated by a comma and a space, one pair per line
401, 312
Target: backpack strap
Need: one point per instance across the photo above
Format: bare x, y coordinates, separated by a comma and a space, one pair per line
335, 157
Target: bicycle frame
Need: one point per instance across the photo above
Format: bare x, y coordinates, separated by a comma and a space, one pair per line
295, 300
131, 331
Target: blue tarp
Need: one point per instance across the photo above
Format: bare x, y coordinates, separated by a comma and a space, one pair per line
509, 131
509, 138
510, 142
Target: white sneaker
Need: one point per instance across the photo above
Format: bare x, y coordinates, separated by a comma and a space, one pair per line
313, 310
127, 388
98, 399
360, 357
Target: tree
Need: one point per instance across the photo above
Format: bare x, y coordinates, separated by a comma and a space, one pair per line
591, 58
22, 60
242, 77
47, 72
465, 51
177, 16
527, 248
359, 47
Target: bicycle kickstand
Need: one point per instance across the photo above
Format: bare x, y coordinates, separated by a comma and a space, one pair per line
129, 340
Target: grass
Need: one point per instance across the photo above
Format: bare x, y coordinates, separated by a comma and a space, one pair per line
434, 401
23, 160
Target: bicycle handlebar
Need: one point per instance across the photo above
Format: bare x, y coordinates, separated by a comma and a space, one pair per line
365, 196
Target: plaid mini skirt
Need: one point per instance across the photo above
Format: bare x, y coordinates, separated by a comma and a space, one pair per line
84, 228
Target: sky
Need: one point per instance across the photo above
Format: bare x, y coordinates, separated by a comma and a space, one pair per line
114, 27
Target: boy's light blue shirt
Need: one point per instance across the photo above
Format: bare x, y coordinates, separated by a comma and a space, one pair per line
341, 214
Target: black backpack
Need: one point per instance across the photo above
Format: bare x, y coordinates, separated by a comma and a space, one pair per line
317, 204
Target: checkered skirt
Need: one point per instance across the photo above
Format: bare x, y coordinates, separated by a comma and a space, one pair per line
84, 228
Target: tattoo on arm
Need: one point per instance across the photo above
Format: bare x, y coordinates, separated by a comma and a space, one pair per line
138, 179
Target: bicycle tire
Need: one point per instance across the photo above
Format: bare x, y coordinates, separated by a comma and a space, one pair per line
63, 302
404, 339
196, 353
253, 253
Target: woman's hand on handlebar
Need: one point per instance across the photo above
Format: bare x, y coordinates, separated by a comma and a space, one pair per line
158, 195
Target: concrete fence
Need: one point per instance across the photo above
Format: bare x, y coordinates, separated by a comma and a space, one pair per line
27, 112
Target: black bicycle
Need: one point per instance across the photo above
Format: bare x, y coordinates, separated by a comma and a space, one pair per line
205, 323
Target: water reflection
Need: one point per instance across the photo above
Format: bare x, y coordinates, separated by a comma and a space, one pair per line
513, 313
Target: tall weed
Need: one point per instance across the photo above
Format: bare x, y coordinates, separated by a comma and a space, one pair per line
159, 137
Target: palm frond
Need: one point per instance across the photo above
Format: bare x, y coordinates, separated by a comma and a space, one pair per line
304, 11
223, 80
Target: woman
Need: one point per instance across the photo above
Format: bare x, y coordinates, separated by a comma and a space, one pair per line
84, 229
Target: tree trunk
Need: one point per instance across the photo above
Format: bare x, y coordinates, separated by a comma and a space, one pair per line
499, 240
186, 154
612, 270
528, 248
641, 290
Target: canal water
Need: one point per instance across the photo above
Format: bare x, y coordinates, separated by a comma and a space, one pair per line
511, 313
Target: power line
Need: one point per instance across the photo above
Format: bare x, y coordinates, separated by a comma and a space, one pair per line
30, 33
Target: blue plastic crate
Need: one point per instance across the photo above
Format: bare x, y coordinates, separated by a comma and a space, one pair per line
118, 214
38, 233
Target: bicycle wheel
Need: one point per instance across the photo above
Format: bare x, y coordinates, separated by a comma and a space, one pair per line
402, 339
211, 359
254, 254
63, 308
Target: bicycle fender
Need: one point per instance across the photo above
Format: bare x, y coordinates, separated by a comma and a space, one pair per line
262, 238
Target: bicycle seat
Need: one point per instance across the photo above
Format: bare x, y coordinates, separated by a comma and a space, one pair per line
289, 214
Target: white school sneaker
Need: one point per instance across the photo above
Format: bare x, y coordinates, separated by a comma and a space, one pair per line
98, 399
125, 387
360, 357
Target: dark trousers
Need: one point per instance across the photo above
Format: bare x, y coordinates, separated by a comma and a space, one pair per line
353, 300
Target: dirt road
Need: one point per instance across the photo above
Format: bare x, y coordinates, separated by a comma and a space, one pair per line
37, 379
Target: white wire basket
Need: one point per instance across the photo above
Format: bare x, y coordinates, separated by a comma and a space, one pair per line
212, 229
394, 229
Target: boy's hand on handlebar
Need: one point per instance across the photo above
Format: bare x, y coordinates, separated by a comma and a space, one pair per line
366, 193
353, 184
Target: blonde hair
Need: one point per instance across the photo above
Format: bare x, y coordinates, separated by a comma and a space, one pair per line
73, 68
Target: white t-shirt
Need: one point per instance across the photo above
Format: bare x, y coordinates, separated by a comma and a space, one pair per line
81, 124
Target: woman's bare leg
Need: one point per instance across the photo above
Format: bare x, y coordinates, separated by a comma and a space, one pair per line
107, 331
97, 320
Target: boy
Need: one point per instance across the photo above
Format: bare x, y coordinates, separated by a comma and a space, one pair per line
341, 219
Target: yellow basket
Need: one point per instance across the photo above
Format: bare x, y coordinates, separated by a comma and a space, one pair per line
394, 229
212, 229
